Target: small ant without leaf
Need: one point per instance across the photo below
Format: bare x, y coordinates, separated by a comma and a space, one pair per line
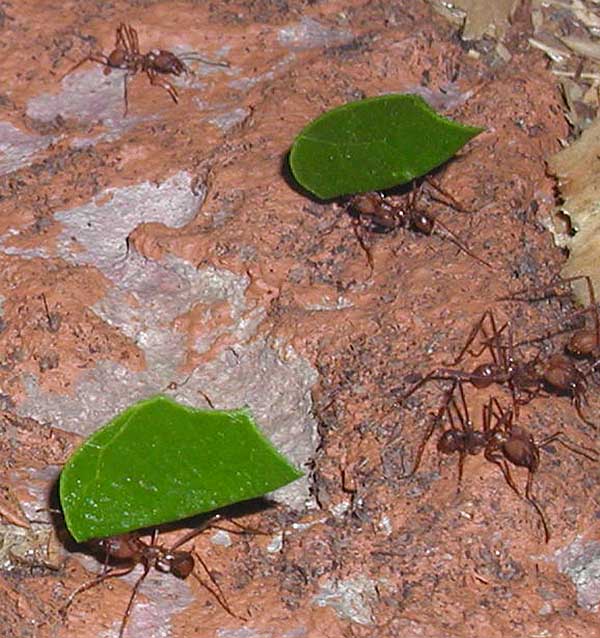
555, 375
584, 342
129, 550
501, 441
387, 213
126, 55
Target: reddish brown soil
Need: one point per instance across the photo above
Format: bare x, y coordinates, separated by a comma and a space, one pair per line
387, 557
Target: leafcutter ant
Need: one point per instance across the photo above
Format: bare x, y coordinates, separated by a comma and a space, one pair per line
526, 379
386, 213
501, 441
122, 554
127, 56
584, 343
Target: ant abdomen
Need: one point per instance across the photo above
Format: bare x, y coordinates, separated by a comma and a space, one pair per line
560, 373
521, 450
117, 59
181, 564
119, 548
582, 343
374, 206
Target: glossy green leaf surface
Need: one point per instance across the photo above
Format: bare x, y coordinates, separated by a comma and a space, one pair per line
159, 461
374, 144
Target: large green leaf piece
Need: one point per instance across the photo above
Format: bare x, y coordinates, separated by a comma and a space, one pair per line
374, 144
159, 462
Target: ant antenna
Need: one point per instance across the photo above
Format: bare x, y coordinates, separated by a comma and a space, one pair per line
453, 237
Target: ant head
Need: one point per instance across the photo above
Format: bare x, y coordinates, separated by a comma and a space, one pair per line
423, 223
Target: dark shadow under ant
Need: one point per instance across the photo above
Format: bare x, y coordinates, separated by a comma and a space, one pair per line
501, 441
127, 56
556, 375
122, 554
386, 213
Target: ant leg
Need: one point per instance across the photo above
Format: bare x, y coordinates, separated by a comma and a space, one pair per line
196, 57
215, 590
134, 42
363, 244
445, 374
430, 429
444, 197
461, 464
470, 339
110, 573
492, 343
560, 437
464, 417
434, 375
576, 401
508, 359
502, 464
206, 524
90, 58
167, 86
536, 505
132, 598
125, 96
593, 306
242, 529
475, 330
494, 457
120, 41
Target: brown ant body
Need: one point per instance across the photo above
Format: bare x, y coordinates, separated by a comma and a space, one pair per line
127, 551
584, 343
127, 56
387, 213
556, 375
501, 441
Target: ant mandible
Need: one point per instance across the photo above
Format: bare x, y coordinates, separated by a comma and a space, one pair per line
129, 550
555, 375
501, 441
387, 213
126, 56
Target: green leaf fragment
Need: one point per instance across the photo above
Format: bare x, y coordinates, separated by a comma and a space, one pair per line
374, 144
158, 462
